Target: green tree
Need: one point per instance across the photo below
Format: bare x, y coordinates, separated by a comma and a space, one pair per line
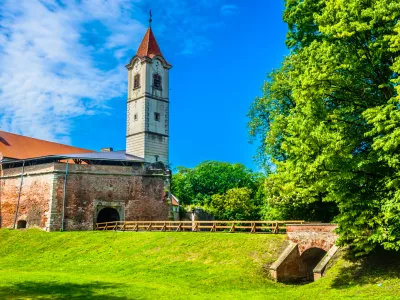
197, 185
385, 120
235, 204
328, 119
180, 186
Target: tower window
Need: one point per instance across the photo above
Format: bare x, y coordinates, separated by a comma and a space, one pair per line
135, 117
136, 81
157, 81
157, 117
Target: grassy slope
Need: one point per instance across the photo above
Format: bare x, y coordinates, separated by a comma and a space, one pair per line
99, 265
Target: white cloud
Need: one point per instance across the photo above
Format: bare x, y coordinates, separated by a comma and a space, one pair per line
61, 59
48, 75
229, 10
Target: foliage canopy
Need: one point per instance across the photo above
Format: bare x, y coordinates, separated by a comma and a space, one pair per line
228, 191
329, 119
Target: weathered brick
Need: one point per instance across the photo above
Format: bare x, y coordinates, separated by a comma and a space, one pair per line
312, 236
139, 194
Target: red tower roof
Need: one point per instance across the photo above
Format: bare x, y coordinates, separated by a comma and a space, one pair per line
148, 46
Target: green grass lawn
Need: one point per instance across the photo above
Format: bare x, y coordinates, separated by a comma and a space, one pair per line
155, 265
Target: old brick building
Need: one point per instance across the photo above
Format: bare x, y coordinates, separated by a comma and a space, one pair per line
54, 186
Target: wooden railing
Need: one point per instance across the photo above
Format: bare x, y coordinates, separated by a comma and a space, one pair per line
210, 226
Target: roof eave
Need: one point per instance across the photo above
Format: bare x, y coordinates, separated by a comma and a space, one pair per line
166, 64
57, 157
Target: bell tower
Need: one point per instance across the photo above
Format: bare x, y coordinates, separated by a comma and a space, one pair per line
147, 132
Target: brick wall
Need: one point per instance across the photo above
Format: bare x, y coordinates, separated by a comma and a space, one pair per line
35, 194
312, 236
142, 198
138, 195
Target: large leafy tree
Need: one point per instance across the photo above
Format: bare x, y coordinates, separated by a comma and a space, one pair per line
329, 118
197, 185
235, 204
227, 191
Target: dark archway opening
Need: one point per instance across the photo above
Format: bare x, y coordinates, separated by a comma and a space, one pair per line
310, 259
108, 214
21, 224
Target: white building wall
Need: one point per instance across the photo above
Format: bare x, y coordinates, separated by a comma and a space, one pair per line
160, 107
156, 145
135, 144
136, 107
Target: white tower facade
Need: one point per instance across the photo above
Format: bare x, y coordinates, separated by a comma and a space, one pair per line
147, 133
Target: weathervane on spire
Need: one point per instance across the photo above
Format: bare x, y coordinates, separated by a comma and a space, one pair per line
150, 20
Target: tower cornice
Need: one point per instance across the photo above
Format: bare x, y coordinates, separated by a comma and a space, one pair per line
166, 100
148, 59
147, 131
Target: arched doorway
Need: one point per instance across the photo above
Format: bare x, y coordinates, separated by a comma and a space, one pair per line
310, 259
21, 224
108, 214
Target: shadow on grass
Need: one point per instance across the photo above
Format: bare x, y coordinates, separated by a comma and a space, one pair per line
56, 290
380, 265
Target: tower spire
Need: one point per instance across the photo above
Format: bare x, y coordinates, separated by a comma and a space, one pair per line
148, 46
150, 20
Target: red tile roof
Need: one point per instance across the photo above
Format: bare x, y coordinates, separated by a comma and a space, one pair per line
21, 147
174, 201
149, 46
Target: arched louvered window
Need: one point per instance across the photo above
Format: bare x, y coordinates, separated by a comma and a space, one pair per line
157, 82
136, 81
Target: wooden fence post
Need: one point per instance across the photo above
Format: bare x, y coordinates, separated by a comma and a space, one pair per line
276, 229
179, 227
253, 228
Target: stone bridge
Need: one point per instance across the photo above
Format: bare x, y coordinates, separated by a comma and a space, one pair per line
310, 248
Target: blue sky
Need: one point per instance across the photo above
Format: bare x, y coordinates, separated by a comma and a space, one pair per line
63, 76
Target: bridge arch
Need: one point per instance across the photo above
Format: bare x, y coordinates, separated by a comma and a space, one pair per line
310, 248
309, 260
